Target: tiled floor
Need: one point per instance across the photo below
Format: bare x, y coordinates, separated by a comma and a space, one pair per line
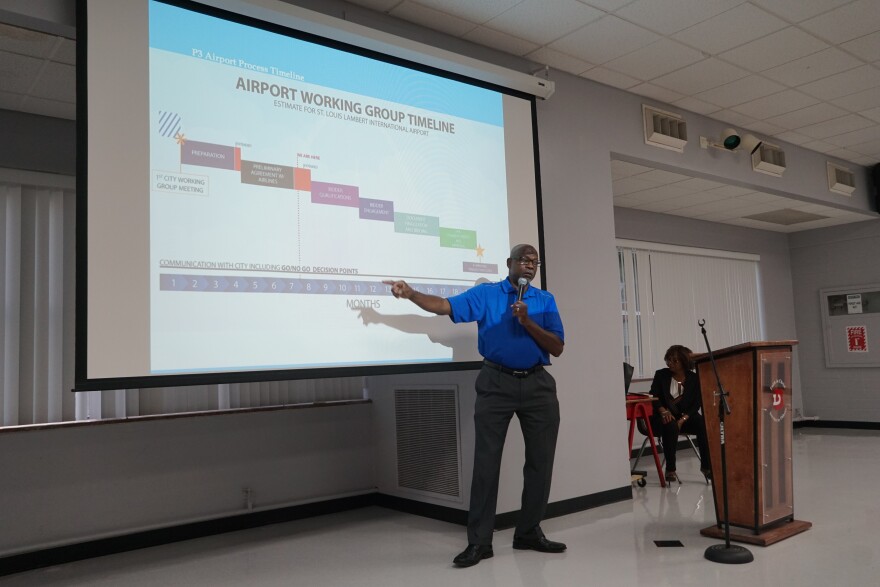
837, 480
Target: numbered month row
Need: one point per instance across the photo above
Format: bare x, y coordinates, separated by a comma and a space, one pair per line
248, 284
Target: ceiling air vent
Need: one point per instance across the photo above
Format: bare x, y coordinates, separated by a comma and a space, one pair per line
664, 129
769, 159
840, 179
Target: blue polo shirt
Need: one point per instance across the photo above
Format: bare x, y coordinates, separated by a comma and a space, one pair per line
502, 339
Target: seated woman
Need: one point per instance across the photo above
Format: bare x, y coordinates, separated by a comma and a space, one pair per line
678, 391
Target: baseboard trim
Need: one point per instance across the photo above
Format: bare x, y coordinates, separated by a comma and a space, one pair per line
507, 519
570, 506
85, 550
419, 508
845, 424
94, 548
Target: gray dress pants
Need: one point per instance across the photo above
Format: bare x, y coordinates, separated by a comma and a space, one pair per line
533, 400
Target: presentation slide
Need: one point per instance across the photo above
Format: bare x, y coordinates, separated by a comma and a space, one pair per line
287, 179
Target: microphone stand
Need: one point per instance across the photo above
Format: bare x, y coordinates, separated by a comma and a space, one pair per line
727, 553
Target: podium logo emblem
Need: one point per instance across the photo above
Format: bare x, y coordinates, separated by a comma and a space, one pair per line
777, 388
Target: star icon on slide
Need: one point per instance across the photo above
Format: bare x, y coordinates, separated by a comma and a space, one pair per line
480, 252
180, 138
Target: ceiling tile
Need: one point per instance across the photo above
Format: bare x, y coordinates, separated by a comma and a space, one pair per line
10, 101
656, 92
734, 118
434, 19
609, 5
662, 176
845, 23
793, 138
630, 185
605, 39
756, 208
762, 198
535, 21
18, 72
665, 192
812, 67
845, 154
798, 10
699, 184
65, 51
843, 84
866, 161
25, 41
730, 191
671, 16
873, 114
660, 207
625, 201
621, 169
741, 91
766, 128
775, 104
56, 82
807, 116
468, 9
655, 60
697, 106
871, 148
820, 146
377, 5
864, 100
730, 29
610, 78
560, 61
501, 41
642, 198
774, 49
701, 76
51, 108
689, 200
835, 126
867, 47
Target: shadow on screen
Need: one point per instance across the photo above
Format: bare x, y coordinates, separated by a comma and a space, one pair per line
438, 329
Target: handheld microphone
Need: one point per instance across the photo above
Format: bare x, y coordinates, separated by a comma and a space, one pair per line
522, 282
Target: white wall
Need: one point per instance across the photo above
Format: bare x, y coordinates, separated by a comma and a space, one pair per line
837, 256
69, 484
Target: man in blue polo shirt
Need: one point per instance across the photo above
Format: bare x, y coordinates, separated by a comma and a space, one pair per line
516, 339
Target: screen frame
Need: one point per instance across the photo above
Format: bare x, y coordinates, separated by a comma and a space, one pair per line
82, 382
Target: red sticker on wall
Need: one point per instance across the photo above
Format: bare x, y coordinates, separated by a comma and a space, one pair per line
857, 339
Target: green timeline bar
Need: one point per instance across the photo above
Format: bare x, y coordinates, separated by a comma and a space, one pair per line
458, 238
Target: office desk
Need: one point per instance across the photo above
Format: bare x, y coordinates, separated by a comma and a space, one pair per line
642, 407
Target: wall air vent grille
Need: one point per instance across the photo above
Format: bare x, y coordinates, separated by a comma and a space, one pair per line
428, 455
664, 129
840, 179
769, 159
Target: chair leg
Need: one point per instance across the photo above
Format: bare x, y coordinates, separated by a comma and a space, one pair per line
639, 456
693, 446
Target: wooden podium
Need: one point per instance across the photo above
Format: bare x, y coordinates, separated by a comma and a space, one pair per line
757, 377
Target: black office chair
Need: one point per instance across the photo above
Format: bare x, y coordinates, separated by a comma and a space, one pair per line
644, 431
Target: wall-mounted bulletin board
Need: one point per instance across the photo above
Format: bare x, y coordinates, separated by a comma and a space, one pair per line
851, 323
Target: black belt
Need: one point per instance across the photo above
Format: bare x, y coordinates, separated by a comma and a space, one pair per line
521, 373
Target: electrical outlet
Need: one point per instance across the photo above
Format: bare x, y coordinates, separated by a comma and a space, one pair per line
248, 498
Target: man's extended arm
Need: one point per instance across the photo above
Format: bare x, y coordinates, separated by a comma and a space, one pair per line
427, 302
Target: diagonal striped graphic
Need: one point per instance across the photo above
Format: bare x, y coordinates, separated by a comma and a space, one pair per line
169, 123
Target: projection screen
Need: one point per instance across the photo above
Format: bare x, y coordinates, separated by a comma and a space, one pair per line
244, 188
